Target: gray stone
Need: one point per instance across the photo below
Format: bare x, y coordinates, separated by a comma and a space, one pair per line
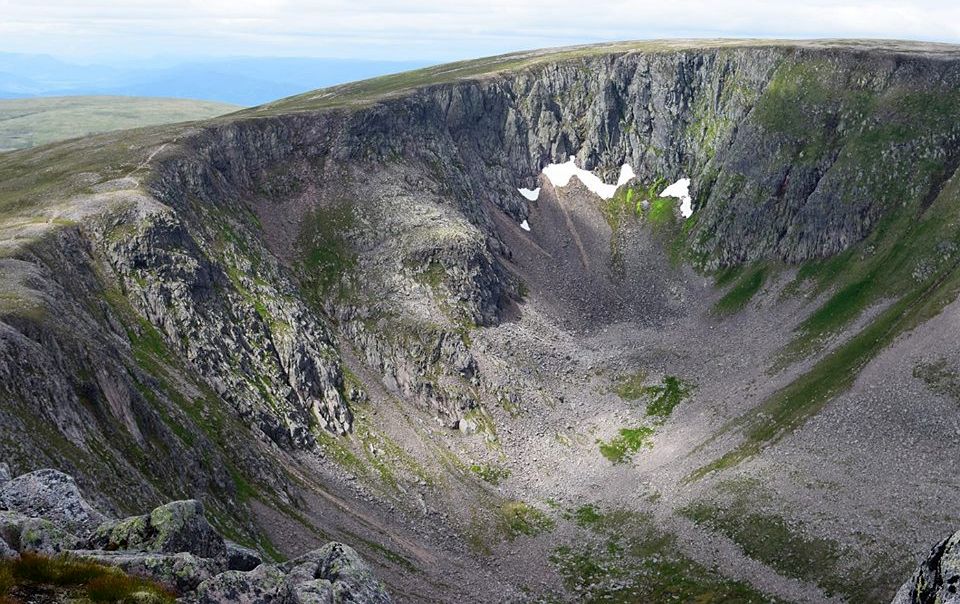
4, 475
259, 586
35, 535
937, 580
242, 558
175, 527
350, 578
182, 572
318, 591
54, 496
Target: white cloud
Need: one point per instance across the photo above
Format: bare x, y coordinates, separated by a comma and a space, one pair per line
439, 30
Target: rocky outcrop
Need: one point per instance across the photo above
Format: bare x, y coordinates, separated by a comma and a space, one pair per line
175, 527
937, 580
332, 574
35, 535
176, 546
53, 496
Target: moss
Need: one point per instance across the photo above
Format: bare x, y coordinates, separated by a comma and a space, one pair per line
587, 515
665, 397
490, 473
522, 519
622, 447
662, 398
632, 386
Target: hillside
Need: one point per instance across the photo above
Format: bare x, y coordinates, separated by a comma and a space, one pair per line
367, 314
37, 121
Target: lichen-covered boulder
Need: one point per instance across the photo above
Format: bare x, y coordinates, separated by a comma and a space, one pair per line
318, 591
242, 558
54, 496
937, 580
182, 572
4, 477
351, 580
175, 527
259, 586
35, 535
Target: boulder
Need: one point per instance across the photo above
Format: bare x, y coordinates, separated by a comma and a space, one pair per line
351, 580
242, 558
318, 591
54, 496
35, 535
175, 527
182, 572
937, 580
259, 586
333, 574
4, 475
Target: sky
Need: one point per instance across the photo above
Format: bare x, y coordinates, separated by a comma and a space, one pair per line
434, 30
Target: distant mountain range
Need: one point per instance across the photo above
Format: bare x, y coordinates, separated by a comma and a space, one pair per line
239, 81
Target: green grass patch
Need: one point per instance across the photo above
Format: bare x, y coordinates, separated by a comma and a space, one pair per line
666, 396
783, 546
621, 557
662, 398
518, 518
742, 292
490, 473
790, 407
621, 448
326, 256
78, 579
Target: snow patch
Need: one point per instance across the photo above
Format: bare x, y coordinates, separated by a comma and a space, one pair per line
530, 194
525, 225
681, 190
560, 175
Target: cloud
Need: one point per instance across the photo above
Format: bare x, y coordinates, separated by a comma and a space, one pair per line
435, 30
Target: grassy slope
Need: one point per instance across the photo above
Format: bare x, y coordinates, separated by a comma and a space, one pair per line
38, 121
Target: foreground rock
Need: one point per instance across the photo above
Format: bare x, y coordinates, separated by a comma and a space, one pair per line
34, 535
182, 571
334, 573
51, 495
175, 527
174, 545
937, 581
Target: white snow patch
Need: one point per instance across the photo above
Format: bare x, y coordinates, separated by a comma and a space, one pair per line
530, 194
626, 173
525, 225
681, 190
560, 175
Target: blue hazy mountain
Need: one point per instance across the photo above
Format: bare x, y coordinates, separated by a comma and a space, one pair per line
240, 81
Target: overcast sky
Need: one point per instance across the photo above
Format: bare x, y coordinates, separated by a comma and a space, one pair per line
436, 30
